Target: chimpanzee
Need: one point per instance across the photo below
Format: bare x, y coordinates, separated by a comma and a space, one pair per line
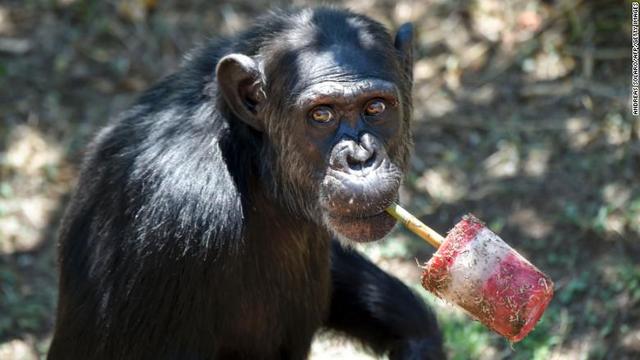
202, 223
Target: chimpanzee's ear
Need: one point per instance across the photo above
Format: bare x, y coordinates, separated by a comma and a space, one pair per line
240, 81
404, 44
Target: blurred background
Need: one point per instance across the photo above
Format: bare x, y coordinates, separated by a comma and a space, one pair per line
521, 117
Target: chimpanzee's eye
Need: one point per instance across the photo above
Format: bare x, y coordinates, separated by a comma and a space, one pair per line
375, 107
321, 114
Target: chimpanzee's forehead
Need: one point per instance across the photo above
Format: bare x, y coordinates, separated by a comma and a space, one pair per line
328, 46
341, 62
347, 59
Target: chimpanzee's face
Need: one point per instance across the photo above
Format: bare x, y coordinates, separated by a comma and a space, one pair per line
346, 118
335, 112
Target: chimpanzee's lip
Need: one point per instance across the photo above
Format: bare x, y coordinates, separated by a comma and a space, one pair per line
363, 229
362, 212
360, 217
368, 211
344, 195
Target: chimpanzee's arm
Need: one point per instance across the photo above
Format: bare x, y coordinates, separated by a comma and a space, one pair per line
379, 310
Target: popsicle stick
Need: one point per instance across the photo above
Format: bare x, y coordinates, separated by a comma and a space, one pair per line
416, 226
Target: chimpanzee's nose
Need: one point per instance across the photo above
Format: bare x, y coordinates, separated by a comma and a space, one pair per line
357, 158
360, 158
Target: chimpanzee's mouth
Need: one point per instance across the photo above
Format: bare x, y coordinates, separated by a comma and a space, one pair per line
354, 206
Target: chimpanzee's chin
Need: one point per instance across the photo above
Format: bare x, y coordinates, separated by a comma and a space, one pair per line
363, 229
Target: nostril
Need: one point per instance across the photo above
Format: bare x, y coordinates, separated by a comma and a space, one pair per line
354, 164
369, 162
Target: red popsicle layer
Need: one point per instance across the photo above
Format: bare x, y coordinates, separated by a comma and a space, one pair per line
479, 272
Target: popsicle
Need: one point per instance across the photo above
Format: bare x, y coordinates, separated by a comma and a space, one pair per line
476, 270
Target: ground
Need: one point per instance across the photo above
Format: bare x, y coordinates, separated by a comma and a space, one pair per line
522, 117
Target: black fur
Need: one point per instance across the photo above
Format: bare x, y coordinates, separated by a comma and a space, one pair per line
178, 243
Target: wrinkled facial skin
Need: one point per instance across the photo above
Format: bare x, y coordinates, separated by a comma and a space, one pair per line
347, 139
